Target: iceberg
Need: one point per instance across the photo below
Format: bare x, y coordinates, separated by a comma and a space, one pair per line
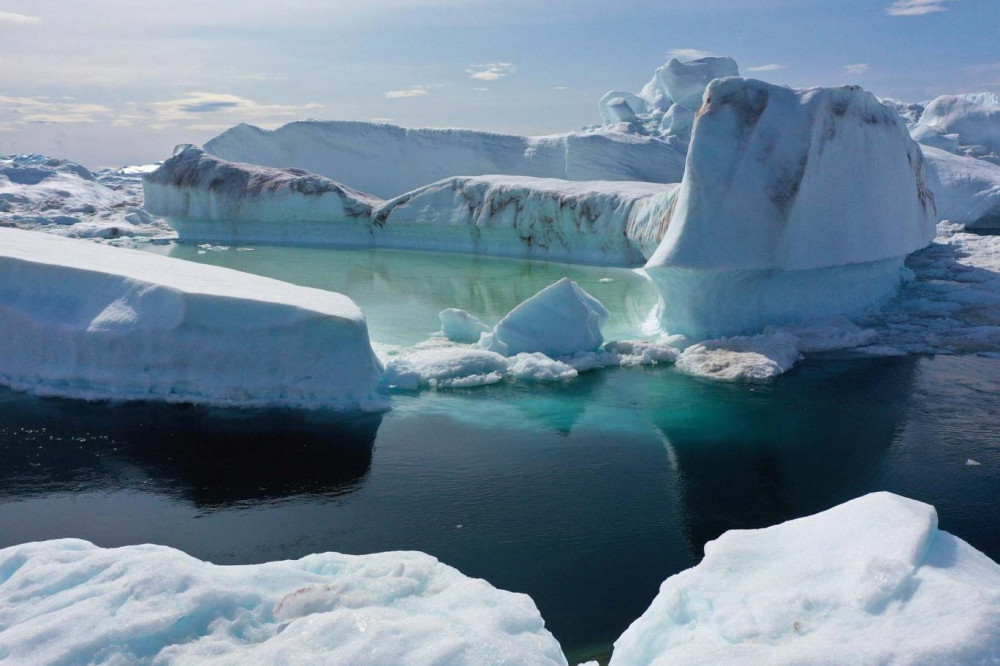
795, 205
966, 190
870, 581
85, 320
68, 601
388, 160
560, 320
964, 124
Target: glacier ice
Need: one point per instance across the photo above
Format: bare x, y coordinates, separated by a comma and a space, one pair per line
965, 124
84, 320
684, 82
788, 194
560, 320
387, 160
68, 601
966, 190
870, 581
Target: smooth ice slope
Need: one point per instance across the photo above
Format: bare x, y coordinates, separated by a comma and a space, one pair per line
211, 199
788, 194
79, 319
70, 602
872, 581
964, 124
560, 320
594, 222
387, 160
966, 190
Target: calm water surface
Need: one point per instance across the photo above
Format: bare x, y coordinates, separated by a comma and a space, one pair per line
585, 495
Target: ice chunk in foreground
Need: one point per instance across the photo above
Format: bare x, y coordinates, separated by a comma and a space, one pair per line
964, 124
84, 320
70, 602
560, 320
966, 189
447, 367
459, 326
388, 160
795, 204
872, 581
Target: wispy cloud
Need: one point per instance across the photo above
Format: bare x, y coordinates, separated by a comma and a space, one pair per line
18, 19
689, 54
45, 110
490, 71
857, 69
412, 91
916, 7
560, 87
771, 67
207, 110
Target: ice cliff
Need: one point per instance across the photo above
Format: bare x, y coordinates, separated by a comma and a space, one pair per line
84, 320
795, 204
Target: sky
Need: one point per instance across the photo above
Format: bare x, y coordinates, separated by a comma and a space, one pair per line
113, 82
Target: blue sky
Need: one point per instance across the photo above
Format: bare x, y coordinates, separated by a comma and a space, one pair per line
108, 82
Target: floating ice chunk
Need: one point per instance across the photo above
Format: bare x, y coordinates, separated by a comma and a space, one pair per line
828, 334
459, 326
70, 602
869, 581
84, 320
966, 189
972, 463
538, 367
966, 124
757, 357
448, 367
560, 320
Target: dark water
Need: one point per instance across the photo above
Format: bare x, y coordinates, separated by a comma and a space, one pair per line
584, 495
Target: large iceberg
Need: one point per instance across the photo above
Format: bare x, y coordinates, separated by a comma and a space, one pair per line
70, 602
80, 319
965, 124
795, 204
966, 190
872, 581
387, 160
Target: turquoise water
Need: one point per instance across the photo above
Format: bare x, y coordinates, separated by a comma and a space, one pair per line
585, 495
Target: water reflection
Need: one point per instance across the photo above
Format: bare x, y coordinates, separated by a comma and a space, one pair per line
748, 457
210, 458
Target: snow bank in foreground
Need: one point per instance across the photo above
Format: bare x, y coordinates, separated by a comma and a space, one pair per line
966, 190
61, 197
786, 188
869, 581
964, 124
594, 222
388, 160
84, 320
68, 601
560, 320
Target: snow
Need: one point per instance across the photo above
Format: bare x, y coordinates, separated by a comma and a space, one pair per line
84, 320
966, 190
560, 320
789, 194
965, 124
387, 160
206, 198
460, 326
870, 581
68, 601
62, 197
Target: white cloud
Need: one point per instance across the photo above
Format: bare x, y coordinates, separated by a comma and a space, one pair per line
857, 69
18, 19
42, 110
481, 89
772, 67
560, 87
689, 54
412, 91
916, 7
490, 71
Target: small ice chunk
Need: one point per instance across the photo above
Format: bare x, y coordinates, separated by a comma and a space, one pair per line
539, 368
757, 357
448, 367
828, 334
460, 326
560, 320
972, 463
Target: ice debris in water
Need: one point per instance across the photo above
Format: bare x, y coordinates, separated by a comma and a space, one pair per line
460, 326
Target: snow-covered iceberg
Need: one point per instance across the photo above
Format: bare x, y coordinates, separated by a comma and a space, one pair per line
79, 319
966, 190
795, 205
870, 581
65, 198
70, 602
388, 160
965, 124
